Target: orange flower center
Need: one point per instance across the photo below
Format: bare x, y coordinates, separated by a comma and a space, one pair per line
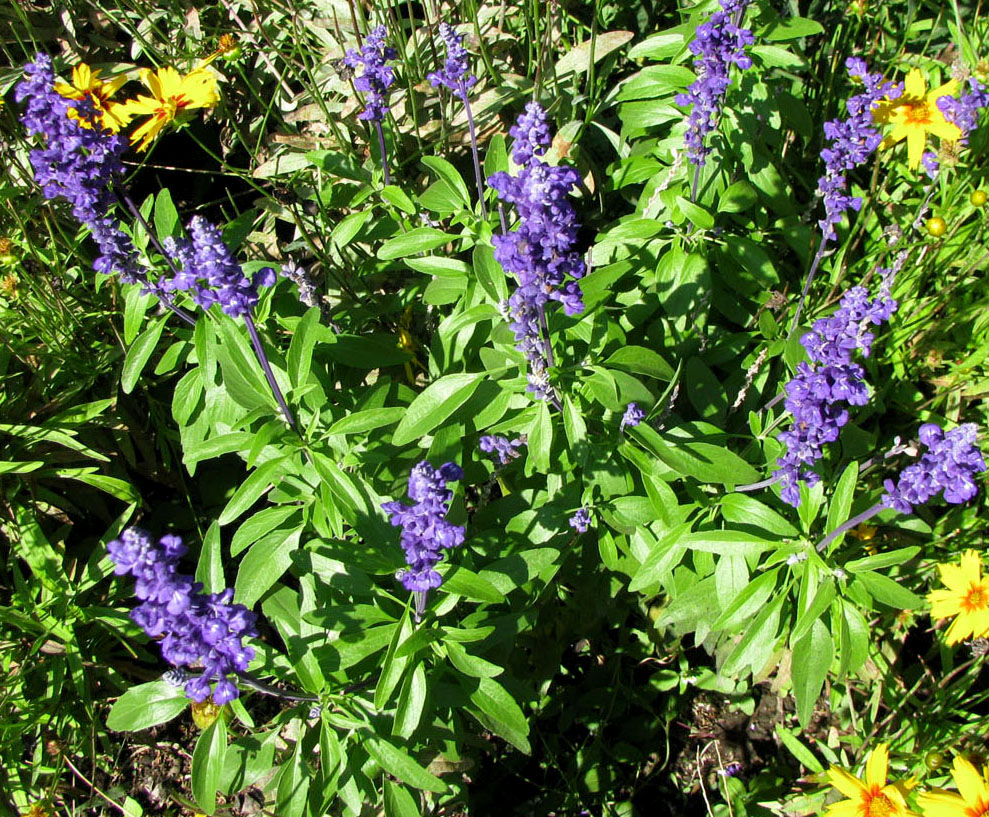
170, 107
976, 599
878, 804
918, 112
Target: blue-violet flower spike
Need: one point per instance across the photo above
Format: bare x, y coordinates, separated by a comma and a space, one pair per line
196, 628
376, 77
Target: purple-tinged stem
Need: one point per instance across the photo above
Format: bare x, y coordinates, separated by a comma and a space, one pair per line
252, 330
855, 521
473, 150
803, 293
163, 297
755, 486
384, 156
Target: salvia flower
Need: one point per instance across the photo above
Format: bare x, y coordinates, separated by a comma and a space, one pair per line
851, 142
301, 278
456, 69
196, 628
210, 274
425, 531
719, 43
376, 77
632, 417
963, 112
503, 449
818, 394
541, 253
78, 161
948, 466
581, 520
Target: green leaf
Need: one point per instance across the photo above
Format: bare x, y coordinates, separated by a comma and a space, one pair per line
886, 590
396, 762
469, 664
146, 705
293, 784
411, 701
439, 265
747, 510
135, 307
468, 584
448, 173
367, 420
430, 408
812, 656
207, 764
264, 564
655, 81
699, 216
881, 560
257, 525
398, 198
420, 239
747, 603
540, 439
757, 642
186, 397
490, 274
263, 478
841, 500
702, 461
498, 711
300, 350
399, 802
738, 198
798, 750
640, 360
30, 544
209, 570
393, 665
792, 28
727, 542
820, 604
138, 355
166, 216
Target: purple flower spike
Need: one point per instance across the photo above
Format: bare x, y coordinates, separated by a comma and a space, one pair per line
632, 417
581, 520
376, 77
209, 272
718, 44
78, 163
425, 531
818, 394
541, 253
502, 448
950, 464
964, 111
456, 70
197, 628
852, 142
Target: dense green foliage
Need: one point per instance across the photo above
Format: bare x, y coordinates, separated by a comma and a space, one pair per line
553, 670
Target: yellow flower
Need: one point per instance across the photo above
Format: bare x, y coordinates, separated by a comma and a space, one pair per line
967, 597
874, 797
972, 799
86, 84
915, 114
171, 96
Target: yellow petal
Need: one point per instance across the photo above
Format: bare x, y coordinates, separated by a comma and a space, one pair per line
949, 88
971, 565
876, 766
916, 142
915, 86
970, 784
960, 629
845, 783
940, 804
152, 82
845, 808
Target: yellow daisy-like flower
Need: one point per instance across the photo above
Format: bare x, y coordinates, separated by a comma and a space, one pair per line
967, 598
915, 114
874, 797
972, 799
172, 95
86, 84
